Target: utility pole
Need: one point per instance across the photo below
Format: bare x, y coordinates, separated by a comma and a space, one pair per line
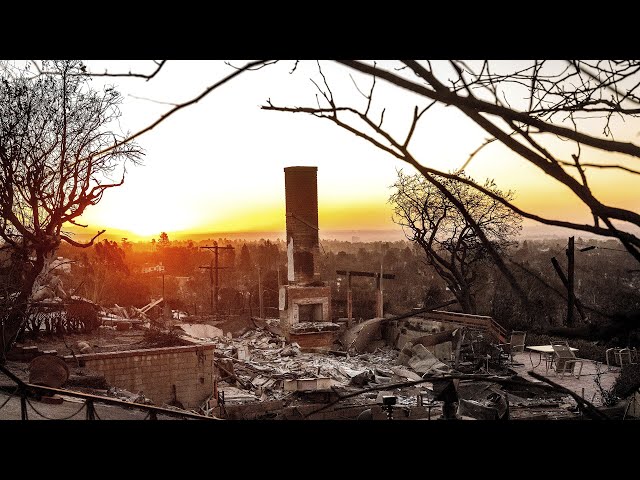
565, 282
165, 307
569, 283
377, 276
380, 295
349, 300
260, 297
210, 268
214, 275
571, 296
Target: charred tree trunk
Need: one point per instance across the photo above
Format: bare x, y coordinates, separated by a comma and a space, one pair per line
465, 298
469, 302
18, 311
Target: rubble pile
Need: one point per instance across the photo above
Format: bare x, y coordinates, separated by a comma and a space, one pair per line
260, 368
127, 396
262, 361
261, 375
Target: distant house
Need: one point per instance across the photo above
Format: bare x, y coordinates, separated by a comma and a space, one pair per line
148, 268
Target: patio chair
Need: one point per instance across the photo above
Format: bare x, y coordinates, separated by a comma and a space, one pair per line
635, 355
517, 341
621, 356
565, 360
515, 344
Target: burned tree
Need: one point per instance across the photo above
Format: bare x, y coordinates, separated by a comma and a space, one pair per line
58, 155
450, 242
107, 266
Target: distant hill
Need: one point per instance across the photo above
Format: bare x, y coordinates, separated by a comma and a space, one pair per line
537, 231
343, 235
85, 235
530, 231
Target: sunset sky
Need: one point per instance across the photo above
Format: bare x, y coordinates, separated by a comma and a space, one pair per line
217, 166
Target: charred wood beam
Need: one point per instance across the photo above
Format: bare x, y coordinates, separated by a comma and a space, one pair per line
388, 276
565, 282
39, 390
419, 311
232, 375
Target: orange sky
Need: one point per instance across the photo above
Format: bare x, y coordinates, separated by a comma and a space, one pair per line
218, 165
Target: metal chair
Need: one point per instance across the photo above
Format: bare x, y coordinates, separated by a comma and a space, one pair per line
565, 360
621, 356
515, 344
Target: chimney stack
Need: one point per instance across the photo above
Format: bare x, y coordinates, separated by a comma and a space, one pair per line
301, 192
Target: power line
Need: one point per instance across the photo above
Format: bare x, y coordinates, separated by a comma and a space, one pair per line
214, 280
614, 249
591, 247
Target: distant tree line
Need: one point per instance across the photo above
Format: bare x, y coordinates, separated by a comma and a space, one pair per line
606, 280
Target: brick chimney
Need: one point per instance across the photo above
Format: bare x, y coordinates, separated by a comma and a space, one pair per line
301, 193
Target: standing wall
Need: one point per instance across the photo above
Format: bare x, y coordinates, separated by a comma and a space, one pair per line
154, 371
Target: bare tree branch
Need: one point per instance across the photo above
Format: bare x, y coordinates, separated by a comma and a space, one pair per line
160, 102
474, 153
482, 106
183, 105
106, 73
80, 244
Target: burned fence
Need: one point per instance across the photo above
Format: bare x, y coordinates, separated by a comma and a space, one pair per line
70, 316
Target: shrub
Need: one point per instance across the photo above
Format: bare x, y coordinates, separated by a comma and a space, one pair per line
628, 381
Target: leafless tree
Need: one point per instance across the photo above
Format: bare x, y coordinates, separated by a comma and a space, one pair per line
559, 97
449, 241
59, 153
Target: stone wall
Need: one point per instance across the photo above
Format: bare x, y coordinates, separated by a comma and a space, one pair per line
154, 371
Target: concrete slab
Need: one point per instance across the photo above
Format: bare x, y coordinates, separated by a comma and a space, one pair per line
590, 370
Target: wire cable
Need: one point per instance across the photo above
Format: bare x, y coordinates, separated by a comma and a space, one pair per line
49, 418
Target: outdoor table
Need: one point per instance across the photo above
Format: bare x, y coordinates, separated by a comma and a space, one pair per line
545, 351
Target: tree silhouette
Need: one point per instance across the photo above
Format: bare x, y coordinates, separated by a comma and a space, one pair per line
53, 130
108, 262
450, 242
245, 264
163, 240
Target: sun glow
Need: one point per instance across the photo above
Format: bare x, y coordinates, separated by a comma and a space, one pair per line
218, 165
144, 217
